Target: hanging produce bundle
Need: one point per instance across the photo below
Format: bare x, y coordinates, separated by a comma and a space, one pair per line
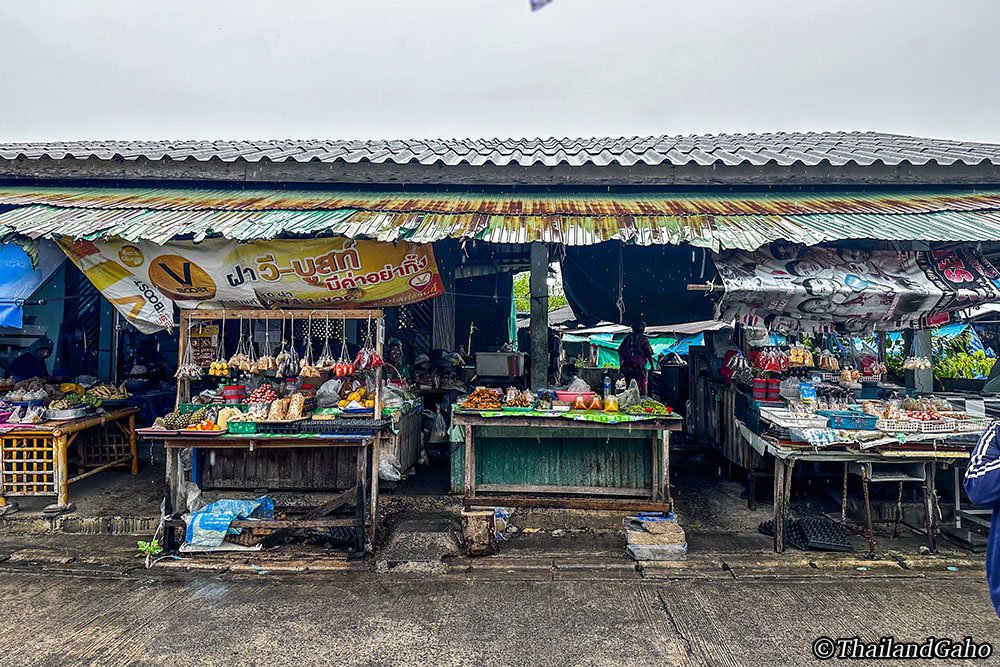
367, 358
267, 362
220, 367
326, 362
343, 367
917, 364
306, 366
188, 370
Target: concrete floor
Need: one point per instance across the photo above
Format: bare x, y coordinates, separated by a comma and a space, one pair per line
499, 618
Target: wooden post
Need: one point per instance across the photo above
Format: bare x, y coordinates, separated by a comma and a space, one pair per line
654, 445
182, 340
539, 291
359, 503
373, 492
131, 445
60, 474
779, 517
923, 380
470, 462
169, 486
444, 305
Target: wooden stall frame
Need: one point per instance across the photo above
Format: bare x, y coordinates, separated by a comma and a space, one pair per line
657, 498
252, 442
64, 435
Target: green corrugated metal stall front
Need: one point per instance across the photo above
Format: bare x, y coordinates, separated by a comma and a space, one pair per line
614, 459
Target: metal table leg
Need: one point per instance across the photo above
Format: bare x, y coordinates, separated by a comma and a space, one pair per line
868, 514
930, 505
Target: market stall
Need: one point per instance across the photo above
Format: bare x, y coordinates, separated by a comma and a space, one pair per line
566, 449
265, 401
47, 430
798, 385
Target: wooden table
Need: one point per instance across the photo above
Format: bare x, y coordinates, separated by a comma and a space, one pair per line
856, 462
34, 462
656, 498
364, 520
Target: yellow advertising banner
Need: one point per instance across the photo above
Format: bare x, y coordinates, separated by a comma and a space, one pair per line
143, 279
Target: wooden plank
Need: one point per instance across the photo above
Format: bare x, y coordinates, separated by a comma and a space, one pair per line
555, 488
462, 419
470, 461
292, 524
260, 314
615, 504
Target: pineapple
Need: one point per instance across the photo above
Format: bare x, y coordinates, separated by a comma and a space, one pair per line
197, 416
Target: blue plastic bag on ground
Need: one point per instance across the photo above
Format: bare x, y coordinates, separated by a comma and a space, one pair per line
208, 527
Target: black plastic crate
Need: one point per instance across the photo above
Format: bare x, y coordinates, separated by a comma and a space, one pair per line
345, 426
281, 428
824, 535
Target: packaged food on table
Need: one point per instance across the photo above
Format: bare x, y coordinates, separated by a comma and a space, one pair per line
611, 403
296, 403
482, 398
579, 403
596, 403
279, 409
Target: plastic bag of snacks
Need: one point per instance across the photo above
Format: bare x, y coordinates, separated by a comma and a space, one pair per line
828, 362
917, 364
800, 356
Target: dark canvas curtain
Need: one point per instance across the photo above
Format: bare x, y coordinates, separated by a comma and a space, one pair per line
484, 301
653, 283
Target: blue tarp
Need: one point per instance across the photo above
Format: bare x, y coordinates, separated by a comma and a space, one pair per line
19, 279
209, 526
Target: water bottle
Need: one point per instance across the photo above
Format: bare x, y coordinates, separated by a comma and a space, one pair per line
607, 385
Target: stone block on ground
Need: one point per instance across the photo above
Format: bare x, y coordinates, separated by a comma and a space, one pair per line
479, 532
655, 537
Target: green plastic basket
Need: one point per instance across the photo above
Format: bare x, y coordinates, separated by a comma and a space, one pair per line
188, 408
240, 428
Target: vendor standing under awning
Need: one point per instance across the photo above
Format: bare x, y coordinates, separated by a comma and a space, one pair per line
32, 363
635, 353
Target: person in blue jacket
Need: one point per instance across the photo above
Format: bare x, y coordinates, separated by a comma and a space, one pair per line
982, 483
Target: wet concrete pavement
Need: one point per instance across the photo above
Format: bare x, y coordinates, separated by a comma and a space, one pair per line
496, 616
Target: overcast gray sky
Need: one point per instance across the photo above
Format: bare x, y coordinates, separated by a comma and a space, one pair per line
96, 69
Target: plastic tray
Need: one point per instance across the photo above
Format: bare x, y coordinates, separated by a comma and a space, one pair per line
898, 425
939, 426
153, 432
192, 433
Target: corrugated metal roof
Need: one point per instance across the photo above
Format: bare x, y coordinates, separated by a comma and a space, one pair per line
782, 148
737, 220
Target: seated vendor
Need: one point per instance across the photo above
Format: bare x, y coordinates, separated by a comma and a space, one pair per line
422, 371
32, 363
395, 366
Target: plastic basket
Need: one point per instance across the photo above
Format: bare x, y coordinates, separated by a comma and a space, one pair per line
939, 426
972, 424
242, 428
871, 378
853, 421
898, 425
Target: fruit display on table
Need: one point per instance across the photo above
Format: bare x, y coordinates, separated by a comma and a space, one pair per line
649, 407
204, 425
262, 394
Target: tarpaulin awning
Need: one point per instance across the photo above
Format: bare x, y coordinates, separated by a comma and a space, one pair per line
731, 220
790, 288
23, 269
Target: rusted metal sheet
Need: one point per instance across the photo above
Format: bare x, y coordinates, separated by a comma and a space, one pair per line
469, 206
718, 222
